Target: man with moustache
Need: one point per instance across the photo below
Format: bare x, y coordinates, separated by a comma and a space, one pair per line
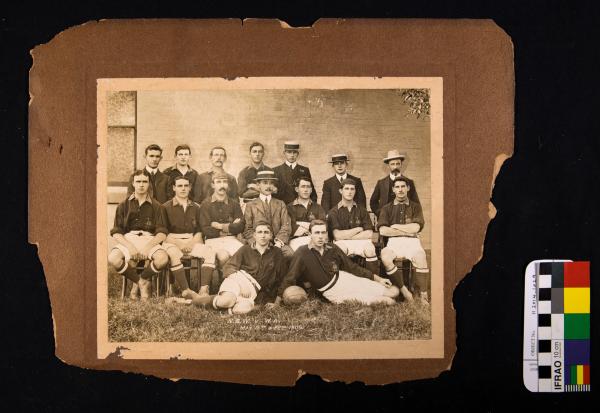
159, 182
400, 221
333, 274
382, 194
247, 187
331, 187
217, 157
265, 208
288, 172
222, 220
136, 235
302, 211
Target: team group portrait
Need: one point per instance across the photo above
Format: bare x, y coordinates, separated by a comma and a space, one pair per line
269, 215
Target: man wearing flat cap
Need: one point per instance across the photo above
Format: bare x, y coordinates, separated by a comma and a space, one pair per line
331, 187
271, 210
288, 172
383, 192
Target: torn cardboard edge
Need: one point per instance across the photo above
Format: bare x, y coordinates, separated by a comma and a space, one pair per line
61, 62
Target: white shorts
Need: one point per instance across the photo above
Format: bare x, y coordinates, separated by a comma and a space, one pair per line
349, 287
175, 242
355, 246
229, 243
411, 249
296, 243
240, 281
139, 239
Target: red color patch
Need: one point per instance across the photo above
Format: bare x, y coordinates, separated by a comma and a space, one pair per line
586, 374
577, 274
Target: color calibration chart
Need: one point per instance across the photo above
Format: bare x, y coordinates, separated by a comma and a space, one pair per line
556, 340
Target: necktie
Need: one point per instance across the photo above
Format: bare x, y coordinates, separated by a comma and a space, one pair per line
267, 210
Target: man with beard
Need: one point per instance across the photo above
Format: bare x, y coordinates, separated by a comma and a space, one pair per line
247, 187
217, 157
253, 273
331, 187
159, 182
288, 172
383, 193
333, 274
136, 235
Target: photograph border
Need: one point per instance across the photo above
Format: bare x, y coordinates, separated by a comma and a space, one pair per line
384, 349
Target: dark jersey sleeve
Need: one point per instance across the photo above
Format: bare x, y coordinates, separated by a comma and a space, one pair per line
120, 225
205, 221
294, 272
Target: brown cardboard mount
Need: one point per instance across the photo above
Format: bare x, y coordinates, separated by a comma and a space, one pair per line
474, 58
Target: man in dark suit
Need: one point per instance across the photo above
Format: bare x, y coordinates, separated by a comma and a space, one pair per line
288, 172
159, 182
383, 192
331, 187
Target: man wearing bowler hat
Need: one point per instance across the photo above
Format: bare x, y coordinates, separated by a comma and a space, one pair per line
288, 172
383, 192
271, 210
331, 187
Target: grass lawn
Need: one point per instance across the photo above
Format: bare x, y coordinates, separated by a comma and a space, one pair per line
315, 320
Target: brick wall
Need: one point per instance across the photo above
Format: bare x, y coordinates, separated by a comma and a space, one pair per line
363, 123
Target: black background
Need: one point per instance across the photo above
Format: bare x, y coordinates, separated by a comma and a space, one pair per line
546, 196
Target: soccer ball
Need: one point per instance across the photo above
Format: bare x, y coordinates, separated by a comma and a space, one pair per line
294, 295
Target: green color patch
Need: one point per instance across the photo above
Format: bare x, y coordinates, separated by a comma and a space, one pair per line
577, 326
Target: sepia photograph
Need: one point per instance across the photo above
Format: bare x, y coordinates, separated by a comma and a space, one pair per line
270, 218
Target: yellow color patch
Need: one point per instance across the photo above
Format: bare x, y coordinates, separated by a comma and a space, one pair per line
577, 300
579, 374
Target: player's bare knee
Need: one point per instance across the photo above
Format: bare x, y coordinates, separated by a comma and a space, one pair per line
116, 259
243, 307
225, 300
160, 259
388, 300
387, 257
369, 251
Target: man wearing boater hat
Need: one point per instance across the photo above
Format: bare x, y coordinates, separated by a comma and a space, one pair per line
331, 187
383, 192
288, 172
271, 210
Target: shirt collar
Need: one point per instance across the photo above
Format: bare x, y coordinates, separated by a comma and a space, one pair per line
148, 198
297, 202
261, 166
341, 204
405, 202
265, 198
176, 202
312, 246
213, 198
253, 246
152, 171
341, 177
392, 177
291, 165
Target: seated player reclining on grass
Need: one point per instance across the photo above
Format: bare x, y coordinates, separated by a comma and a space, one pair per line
303, 210
328, 269
221, 219
352, 228
181, 216
137, 234
253, 273
401, 220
